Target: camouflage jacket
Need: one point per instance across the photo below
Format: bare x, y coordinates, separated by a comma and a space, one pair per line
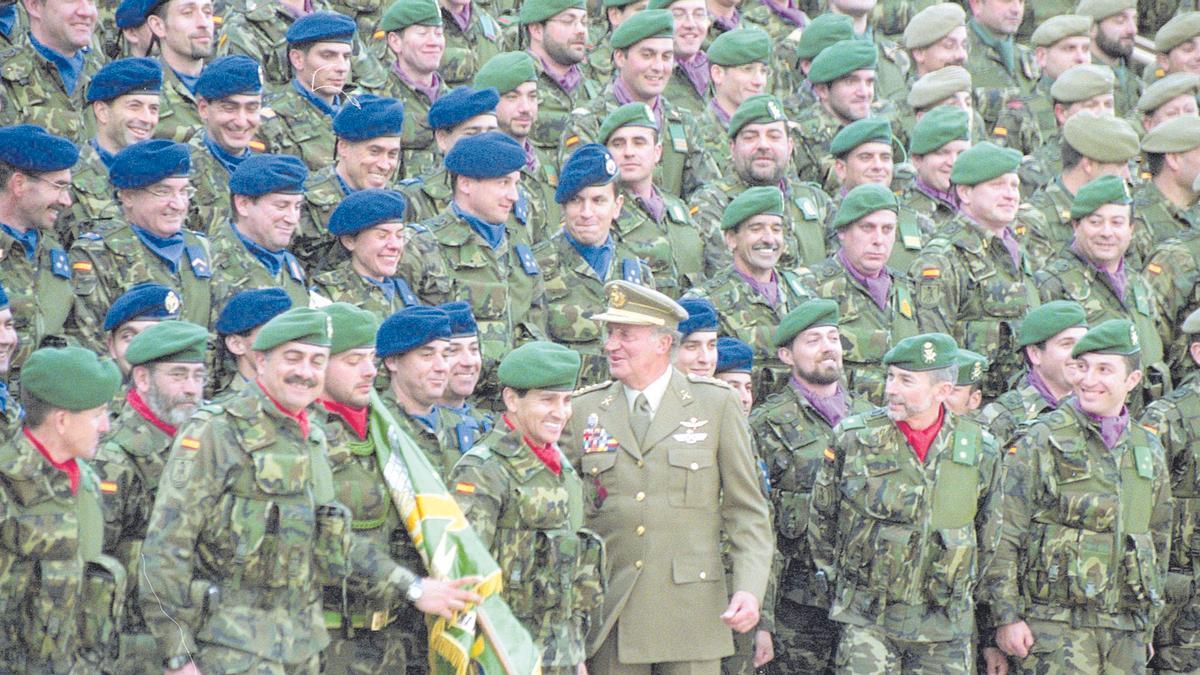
428, 195
11, 415
468, 422
312, 244
968, 287
1007, 416
868, 332
1039, 168
557, 107
1129, 86
812, 132
344, 284
682, 93
531, 519
32, 92
298, 128
714, 135
437, 443
93, 198
935, 209
892, 67
1027, 123
673, 248
420, 152
236, 269
39, 292
1050, 234
538, 185
785, 37
897, 538
178, 119
212, 204
1158, 219
574, 291
243, 534
467, 50
1173, 274
994, 84
1083, 533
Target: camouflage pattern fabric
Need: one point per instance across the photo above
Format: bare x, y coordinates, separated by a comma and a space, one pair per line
236, 269
672, 247
437, 444
32, 92
344, 284
1059, 648
995, 85
298, 128
39, 292
420, 152
1173, 275
1039, 168
177, 117
93, 198
1007, 416
867, 650
468, 49
1156, 219
1027, 123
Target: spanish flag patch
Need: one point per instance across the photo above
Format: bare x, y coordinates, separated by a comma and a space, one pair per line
572, 141
465, 488
1154, 268
190, 443
1151, 428
931, 273
1000, 131
830, 454
82, 266
108, 487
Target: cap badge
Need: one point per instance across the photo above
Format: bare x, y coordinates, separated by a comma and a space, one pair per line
977, 371
773, 111
171, 302
616, 298
928, 353
1133, 338
610, 167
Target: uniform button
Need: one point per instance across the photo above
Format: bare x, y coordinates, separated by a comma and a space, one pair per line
640, 496
641, 464
595, 469
703, 575
694, 466
641, 529
637, 564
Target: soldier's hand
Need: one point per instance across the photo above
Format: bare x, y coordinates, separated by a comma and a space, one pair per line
188, 669
764, 649
997, 663
444, 598
742, 613
1014, 639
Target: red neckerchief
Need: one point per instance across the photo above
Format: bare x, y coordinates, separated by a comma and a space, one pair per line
355, 417
70, 467
300, 417
921, 439
134, 399
547, 453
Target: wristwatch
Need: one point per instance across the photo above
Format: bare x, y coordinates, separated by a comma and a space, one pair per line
176, 662
415, 591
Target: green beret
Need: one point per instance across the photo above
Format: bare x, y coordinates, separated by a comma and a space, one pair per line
179, 341
1059, 28
299, 324
1104, 138
1100, 10
751, 202
928, 351
404, 13
810, 313
938, 127
740, 46
841, 59
757, 109
937, 86
1175, 135
537, 11
1045, 321
932, 24
863, 201
353, 327
971, 367
617, 3
1115, 336
628, 115
866, 130
540, 365
983, 162
1098, 192
1191, 325
1180, 29
1166, 88
643, 25
506, 71
71, 378
1082, 82
823, 31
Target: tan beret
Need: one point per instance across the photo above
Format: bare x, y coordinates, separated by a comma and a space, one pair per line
938, 86
1102, 9
1180, 29
1059, 28
1081, 82
1103, 138
932, 24
1167, 88
1175, 135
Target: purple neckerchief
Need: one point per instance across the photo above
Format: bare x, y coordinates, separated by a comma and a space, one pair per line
654, 204
1118, 280
531, 158
431, 92
1039, 385
879, 287
769, 290
461, 19
788, 12
831, 408
696, 69
304, 11
724, 24
722, 116
1010, 243
621, 93
935, 194
1111, 428
567, 82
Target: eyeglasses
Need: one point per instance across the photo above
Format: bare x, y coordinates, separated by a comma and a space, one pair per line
57, 187
696, 15
570, 22
166, 193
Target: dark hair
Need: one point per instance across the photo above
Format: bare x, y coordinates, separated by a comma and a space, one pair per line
1132, 361
36, 410
1070, 156
1154, 162
6, 172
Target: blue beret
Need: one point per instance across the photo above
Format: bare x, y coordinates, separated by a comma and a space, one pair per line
410, 328
734, 356
701, 316
228, 76
589, 165
137, 75
321, 27
29, 147
489, 155
144, 302
264, 174
147, 162
248, 310
4, 298
460, 105
462, 319
133, 13
369, 116
367, 208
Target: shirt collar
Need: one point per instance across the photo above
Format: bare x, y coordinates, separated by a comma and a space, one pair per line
105, 156
69, 467
28, 239
319, 103
169, 248
272, 260
300, 417
654, 391
68, 67
226, 159
492, 233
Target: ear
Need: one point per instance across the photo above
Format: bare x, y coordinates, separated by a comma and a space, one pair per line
100, 111
260, 361
716, 74
141, 378
347, 241
394, 42
296, 58
1060, 113
1194, 350
158, 27
619, 58
839, 170
785, 355
1039, 56
619, 202
730, 236
976, 398
236, 344
1133, 379
510, 399
657, 152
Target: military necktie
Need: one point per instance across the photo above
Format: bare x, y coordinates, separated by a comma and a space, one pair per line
639, 420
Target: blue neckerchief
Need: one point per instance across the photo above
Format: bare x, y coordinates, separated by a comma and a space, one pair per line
105, 156
272, 260
230, 162
346, 189
28, 239
8, 18
467, 414
169, 249
68, 67
428, 421
3, 397
388, 285
492, 233
598, 257
189, 81
317, 101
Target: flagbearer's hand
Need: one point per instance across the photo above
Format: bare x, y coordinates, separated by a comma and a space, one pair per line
444, 598
742, 613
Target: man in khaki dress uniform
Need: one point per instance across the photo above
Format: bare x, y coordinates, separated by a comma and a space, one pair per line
668, 474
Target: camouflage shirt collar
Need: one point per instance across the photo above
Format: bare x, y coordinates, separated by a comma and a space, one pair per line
68, 67
69, 467
28, 239
1111, 428
329, 110
1039, 385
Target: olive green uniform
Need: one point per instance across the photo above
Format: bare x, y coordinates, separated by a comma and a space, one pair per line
236, 269
673, 247
1008, 415
178, 119
298, 128
39, 291
32, 92
420, 152
995, 85
93, 198
468, 49
344, 284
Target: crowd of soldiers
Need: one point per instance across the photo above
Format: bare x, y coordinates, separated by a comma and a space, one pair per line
785, 336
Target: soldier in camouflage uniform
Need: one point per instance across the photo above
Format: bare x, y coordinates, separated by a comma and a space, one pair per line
967, 395
472, 37
785, 23
689, 86
875, 298
1114, 26
843, 80
1075, 582
165, 387
467, 421
893, 63
1170, 97
62, 597
974, 279
185, 33
895, 516
791, 430
35, 178
738, 70
1001, 69
948, 86
416, 41
523, 497
1165, 205
1045, 339
14, 25
935, 37
236, 327
754, 293
822, 31
936, 141
1175, 47
124, 98
10, 409
233, 468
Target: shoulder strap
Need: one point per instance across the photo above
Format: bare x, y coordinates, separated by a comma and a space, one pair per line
957, 482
